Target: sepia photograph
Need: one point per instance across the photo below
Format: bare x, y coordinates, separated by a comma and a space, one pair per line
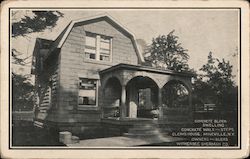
114, 78
81, 78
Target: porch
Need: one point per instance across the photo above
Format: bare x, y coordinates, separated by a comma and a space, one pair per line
132, 94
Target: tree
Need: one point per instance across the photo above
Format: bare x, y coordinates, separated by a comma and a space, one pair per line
36, 21
175, 95
22, 93
216, 84
167, 53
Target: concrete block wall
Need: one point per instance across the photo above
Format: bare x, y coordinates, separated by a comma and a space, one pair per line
112, 95
111, 102
73, 66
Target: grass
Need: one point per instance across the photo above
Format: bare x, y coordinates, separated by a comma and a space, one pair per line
25, 134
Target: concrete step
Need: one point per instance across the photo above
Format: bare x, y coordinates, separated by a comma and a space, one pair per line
139, 135
75, 139
146, 136
145, 125
143, 121
168, 129
141, 131
143, 128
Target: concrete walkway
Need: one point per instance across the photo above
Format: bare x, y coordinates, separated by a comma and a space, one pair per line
123, 141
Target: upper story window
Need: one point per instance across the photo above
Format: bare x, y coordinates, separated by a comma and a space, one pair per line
98, 47
105, 49
90, 47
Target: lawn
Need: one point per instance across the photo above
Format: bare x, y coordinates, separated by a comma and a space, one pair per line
25, 134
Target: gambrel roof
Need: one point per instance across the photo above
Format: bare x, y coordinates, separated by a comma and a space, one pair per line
63, 36
59, 41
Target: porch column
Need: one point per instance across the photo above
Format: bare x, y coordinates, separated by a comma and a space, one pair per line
123, 102
160, 103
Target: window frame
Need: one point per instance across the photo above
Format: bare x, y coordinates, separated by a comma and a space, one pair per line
110, 49
90, 35
79, 106
98, 38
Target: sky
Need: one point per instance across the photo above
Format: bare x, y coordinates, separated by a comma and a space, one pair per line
199, 31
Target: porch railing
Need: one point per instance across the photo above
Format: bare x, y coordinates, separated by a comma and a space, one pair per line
110, 112
176, 114
170, 112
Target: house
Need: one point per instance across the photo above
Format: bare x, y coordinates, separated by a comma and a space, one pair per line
92, 77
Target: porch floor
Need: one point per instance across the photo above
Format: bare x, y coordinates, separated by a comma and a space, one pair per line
122, 141
127, 121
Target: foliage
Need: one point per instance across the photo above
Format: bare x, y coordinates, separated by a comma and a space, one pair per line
40, 21
22, 93
22, 89
176, 95
167, 53
215, 84
37, 22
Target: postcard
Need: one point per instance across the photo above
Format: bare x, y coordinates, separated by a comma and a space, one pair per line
127, 79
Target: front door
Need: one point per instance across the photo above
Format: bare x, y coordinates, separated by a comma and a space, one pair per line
145, 103
139, 103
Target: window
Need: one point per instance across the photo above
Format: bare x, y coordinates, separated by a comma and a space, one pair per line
98, 47
87, 92
105, 49
90, 47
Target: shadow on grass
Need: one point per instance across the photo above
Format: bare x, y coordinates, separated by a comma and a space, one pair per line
25, 134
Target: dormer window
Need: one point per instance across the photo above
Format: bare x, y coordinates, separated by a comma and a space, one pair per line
98, 47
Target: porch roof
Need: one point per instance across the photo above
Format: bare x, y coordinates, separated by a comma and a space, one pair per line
123, 66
